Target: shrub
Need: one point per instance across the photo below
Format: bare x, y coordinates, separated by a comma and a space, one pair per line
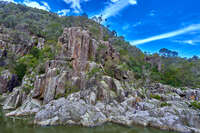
158, 97
27, 88
69, 88
93, 72
35, 52
47, 53
165, 104
101, 47
41, 69
29, 60
20, 70
195, 104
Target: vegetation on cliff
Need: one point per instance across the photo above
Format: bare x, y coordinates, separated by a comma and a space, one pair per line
21, 23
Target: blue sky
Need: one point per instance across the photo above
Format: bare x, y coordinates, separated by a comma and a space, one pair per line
148, 24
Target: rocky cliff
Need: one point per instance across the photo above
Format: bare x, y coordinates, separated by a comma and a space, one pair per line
85, 84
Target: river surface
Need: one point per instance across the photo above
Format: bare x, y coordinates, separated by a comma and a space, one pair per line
16, 125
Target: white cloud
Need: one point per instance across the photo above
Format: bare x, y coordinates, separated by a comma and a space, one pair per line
63, 12
46, 5
9, 1
35, 4
115, 7
132, 2
190, 28
75, 4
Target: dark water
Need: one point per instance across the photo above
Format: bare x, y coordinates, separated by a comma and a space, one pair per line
14, 125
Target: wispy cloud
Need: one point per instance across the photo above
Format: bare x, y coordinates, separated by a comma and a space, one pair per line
190, 28
63, 12
190, 42
34, 4
46, 5
115, 7
126, 27
75, 4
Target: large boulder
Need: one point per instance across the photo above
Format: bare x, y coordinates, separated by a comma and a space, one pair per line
39, 86
51, 85
14, 99
30, 106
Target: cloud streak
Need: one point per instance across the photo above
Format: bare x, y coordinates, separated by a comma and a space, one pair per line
190, 28
113, 8
34, 4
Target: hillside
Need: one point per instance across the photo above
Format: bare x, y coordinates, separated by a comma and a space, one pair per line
73, 70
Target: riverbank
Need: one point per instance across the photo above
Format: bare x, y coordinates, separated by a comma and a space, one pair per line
14, 125
166, 108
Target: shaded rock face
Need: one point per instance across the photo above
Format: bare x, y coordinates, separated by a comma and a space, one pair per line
52, 83
8, 81
39, 86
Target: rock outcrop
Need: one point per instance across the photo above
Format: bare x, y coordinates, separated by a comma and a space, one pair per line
18, 43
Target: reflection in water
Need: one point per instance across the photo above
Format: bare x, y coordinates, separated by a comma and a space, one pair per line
14, 125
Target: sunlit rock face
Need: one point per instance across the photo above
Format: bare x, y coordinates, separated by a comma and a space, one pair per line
80, 47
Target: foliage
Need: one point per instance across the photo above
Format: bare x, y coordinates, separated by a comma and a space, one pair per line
70, 88
35, 52
41, 69
163, 104
93, 72
29, 60
27, 88
168, 53
158, 97
195, 104
20, 70
177, 72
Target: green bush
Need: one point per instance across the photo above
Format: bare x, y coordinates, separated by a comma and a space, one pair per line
41, 69
47, 53
20, 70
165, 104
195, 104
69, 88
158, 97
27, 88
35, 52
93, 72
29, 60
101, 47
